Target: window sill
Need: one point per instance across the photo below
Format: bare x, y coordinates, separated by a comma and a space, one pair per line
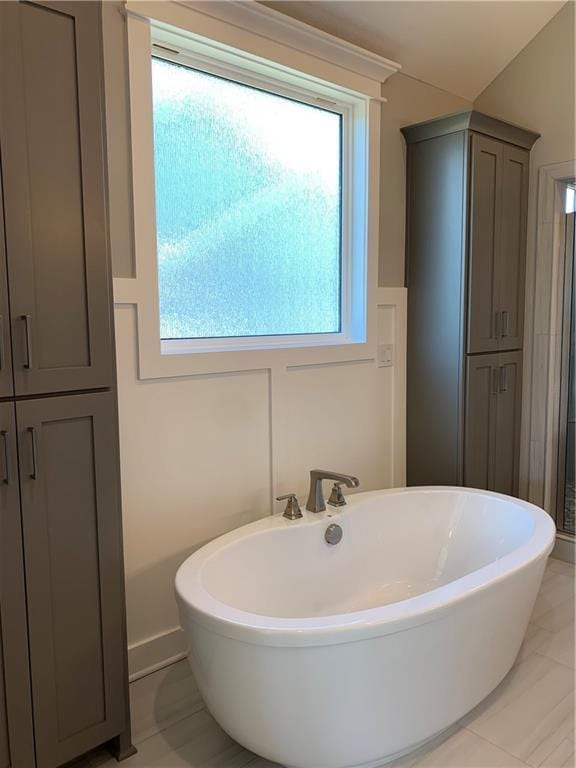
154, 363
254, 343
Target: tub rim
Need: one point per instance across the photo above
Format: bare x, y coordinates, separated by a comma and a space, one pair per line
199, 606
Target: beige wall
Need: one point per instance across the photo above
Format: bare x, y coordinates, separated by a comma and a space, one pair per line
537, 91
201, 455
409, 101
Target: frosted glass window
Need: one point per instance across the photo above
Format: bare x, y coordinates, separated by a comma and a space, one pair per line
248, 209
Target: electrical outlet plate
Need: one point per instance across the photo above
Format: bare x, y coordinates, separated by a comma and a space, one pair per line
385, 355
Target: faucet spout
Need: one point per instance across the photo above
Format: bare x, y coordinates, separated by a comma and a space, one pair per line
316, 501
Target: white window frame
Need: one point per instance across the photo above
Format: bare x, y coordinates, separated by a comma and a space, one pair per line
353, 252
236, 37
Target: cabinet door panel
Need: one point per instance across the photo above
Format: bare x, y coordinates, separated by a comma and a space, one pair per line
508, 423
480, 426
436, 306
72, 529
484, 244
6, 383
53, 178
513, 250
16, 737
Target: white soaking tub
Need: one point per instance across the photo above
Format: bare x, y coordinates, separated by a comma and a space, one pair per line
321, 656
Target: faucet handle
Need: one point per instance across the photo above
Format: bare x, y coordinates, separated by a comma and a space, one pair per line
292, 511
337, 498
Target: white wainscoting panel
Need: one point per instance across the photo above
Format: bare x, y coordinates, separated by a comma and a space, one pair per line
204, 454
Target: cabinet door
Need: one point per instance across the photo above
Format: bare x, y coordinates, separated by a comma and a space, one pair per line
512, 263
73, 548
16, 737
480, 425
6, 383
509, 409
484, 244
53, 177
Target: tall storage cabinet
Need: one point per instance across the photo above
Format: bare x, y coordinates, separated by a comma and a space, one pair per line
63, 666
465, 270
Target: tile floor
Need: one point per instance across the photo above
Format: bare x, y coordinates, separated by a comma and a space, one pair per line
529, 720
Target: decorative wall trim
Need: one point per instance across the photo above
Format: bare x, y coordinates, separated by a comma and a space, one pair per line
269, 23
544, 300
156, 652
257, 25
473, 121
397, 298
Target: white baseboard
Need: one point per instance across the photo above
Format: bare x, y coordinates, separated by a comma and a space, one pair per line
156, 652
564, 548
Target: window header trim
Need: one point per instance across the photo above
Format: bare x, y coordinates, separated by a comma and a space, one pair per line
262, 32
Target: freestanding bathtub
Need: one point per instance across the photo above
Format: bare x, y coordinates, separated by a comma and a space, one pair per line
320, 656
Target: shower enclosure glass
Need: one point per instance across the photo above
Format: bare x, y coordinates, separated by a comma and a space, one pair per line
567, 454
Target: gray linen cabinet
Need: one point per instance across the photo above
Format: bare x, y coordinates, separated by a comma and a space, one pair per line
63, 657
467, 196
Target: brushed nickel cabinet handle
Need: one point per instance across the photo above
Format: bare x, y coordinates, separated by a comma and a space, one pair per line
34, 445
495, 379
7, 473
503, 385
504, 331
2, 357
27, 323
496, 334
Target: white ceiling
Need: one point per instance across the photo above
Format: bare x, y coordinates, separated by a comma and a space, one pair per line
457, 45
